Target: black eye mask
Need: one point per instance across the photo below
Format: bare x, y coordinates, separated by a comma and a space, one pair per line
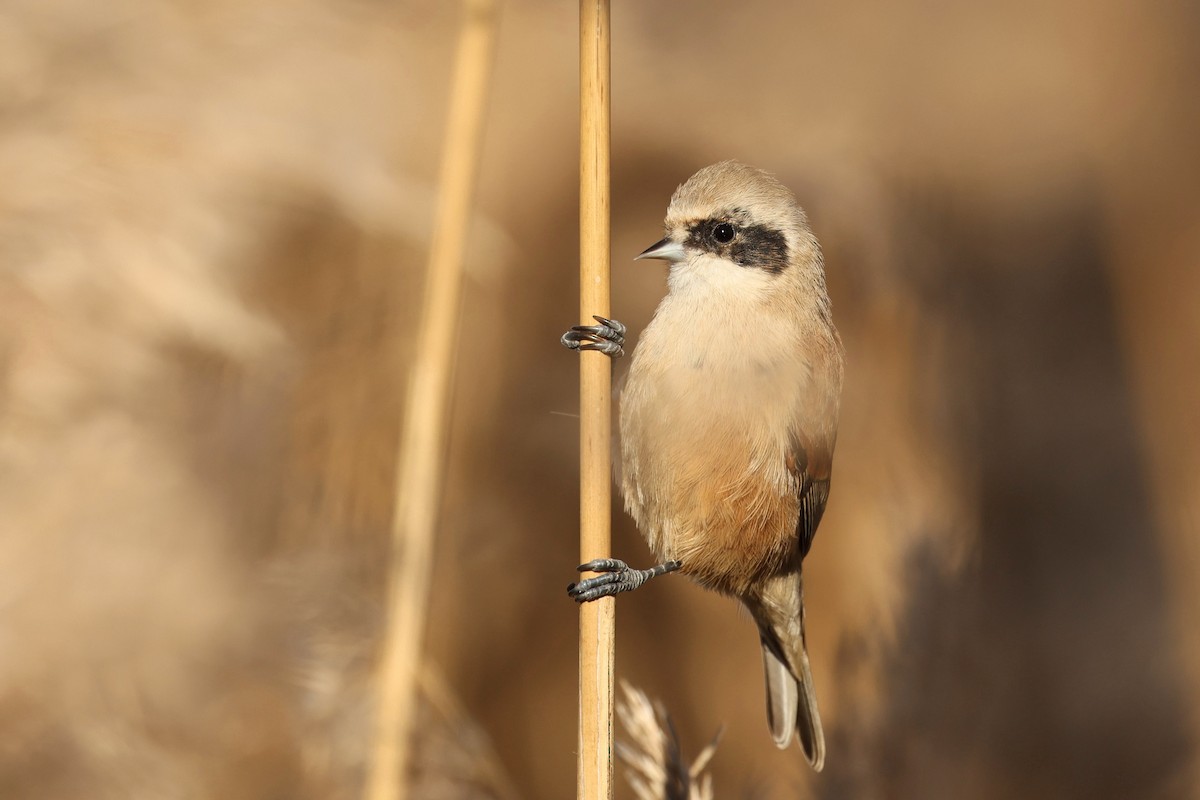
756, 246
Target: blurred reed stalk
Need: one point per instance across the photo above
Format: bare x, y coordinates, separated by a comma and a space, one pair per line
1153, 215
442, 700
422, 442
597, 620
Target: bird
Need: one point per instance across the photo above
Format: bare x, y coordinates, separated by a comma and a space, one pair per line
728, 419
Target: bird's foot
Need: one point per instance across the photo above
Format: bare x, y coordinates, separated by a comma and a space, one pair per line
607, 337
616, 577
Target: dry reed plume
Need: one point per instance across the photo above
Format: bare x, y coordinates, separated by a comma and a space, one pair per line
653, 760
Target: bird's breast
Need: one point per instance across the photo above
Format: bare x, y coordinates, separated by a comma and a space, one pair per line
703, 441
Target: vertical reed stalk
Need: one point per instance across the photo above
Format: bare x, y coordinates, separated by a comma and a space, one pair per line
597, 619
421, 448
1156, 309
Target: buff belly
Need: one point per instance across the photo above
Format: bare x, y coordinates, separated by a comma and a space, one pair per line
726, 509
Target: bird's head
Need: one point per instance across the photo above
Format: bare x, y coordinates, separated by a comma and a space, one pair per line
739, 227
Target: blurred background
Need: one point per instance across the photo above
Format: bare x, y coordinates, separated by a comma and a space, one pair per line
214, 219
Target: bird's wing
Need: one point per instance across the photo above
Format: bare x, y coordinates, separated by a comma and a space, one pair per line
811, 438
810, 461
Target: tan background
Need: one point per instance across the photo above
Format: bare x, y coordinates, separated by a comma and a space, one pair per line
213, 219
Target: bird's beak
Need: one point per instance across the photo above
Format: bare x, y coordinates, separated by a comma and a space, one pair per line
665, 249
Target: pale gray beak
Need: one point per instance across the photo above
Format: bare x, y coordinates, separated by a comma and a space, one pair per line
665, 249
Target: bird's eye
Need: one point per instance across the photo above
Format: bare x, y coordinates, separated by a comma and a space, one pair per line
724, 233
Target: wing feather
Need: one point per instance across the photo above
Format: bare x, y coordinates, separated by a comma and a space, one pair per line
810, 464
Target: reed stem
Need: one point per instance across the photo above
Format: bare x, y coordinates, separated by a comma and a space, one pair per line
422, 441
597, 620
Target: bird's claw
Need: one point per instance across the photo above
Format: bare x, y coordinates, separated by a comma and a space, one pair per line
607, 337
616, 577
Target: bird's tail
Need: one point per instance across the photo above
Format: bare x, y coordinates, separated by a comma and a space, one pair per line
791, 700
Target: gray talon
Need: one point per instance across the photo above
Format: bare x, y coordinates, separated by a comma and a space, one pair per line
603, 565
615, 577
616, 327
607, 337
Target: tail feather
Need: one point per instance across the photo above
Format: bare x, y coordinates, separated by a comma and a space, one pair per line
791, 700
808, 718
792, 704
783, 693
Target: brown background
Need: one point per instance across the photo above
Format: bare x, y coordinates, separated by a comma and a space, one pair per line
213, 221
